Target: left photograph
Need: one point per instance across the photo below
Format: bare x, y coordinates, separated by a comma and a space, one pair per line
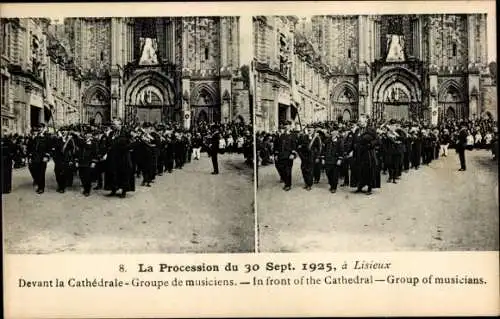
126, 135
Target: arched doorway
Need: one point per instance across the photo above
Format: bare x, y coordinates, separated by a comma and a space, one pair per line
450, 114
344, 98
97, 100
397, 95
202, 117
98, 119
450, 99
204, 98
149, 97
346, 116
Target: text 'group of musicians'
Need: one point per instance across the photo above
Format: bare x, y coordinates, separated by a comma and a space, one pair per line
359, 153
113, 156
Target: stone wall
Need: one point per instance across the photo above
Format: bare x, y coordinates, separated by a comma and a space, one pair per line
489, 101
341, 45
203, 43
240, 101
449, 41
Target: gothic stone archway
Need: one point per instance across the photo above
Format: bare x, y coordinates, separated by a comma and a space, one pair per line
96, 100
451, 100
397, 94
344, 97
149, 97
204, 98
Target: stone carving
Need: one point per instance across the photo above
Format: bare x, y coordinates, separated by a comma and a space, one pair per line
395, 48
149, 48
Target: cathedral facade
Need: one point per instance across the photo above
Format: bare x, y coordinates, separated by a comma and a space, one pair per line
410, 67
159, 69
91, 70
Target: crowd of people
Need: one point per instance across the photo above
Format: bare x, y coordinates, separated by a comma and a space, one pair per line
113, 156
359, 153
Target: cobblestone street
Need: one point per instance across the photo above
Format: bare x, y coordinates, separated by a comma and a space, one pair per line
188, 211
435, 208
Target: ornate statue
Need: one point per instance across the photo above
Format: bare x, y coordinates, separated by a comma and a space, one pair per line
395, 48
149, 49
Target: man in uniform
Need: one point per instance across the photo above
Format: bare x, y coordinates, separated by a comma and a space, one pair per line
102, 142
461, 145
86, 160
38, 156
332, 158
214, 149
169, 149
285, 153
64, 150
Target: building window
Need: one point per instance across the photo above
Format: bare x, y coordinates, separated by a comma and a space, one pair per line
454, 49
5, 39
349, 53
4, 82
102, 55
206, 53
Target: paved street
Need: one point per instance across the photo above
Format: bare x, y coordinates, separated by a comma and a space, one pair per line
188, 211
435, 208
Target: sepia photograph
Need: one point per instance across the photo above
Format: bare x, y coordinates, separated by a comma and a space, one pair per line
376, 132
233, 158
126, 135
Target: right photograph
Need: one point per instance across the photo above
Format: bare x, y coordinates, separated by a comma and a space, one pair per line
375, 133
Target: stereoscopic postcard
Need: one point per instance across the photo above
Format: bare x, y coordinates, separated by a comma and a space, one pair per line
240, 159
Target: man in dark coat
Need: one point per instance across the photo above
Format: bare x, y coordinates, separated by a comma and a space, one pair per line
64, 149
86, 160
169, 150
8, 151
306, 158
460, 147
347, 141
416, 147
317, 149
179, 150
332, 158
285, 152
275, 138
214, 149
38, 156
102, 142
119, 171
394, 153
365, 166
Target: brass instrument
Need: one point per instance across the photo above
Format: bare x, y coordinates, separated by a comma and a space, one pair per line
146, 137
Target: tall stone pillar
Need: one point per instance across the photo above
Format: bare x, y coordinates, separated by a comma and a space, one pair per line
364, 92
473, 92
225, 95
117, 103
186, 97
471, 31
223, 42
433, 98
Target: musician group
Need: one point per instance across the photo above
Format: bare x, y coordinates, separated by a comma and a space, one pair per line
111, 157
359, 153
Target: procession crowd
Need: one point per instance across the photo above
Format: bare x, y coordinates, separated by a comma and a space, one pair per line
358, 153
112, 156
